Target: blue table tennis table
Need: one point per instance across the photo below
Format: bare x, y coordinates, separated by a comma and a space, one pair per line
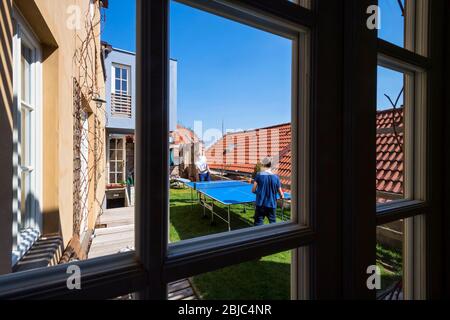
227, 193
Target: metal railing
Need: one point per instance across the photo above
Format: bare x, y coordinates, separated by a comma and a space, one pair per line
121, 105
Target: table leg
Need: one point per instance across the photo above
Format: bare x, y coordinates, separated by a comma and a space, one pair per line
229, 220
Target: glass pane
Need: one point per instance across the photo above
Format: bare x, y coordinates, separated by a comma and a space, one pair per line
114, 231
24, 188
392, 113
245, 142
27, 60
91, 215
402, 22
268, 278
390, 243
392, 21
113, 155
24, 143
120, 167
118, 86
120, 145
113, 166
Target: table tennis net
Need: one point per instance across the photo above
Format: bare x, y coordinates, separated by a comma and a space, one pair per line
219, 184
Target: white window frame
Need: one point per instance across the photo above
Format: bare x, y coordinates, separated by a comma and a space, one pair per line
415, 126
25, 237
114, 78
415, 156
124, 140
300, 36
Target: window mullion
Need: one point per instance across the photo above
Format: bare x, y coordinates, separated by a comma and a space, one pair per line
359, 228
152, 141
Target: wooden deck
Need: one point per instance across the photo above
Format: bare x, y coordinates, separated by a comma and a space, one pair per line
115, 234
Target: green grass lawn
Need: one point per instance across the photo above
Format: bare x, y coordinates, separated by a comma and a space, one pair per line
391, 265
266, 278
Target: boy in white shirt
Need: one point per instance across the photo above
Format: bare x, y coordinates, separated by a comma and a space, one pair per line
203, 169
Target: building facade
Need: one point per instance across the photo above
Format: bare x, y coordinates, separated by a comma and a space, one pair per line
120, 70
51, 121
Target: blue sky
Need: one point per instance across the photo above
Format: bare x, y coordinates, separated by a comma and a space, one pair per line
392, 25
234, 73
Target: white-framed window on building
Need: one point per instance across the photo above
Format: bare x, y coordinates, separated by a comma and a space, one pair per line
117, 149
121, 91
27, 139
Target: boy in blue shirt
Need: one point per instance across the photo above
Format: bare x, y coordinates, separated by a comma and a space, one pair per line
266, 187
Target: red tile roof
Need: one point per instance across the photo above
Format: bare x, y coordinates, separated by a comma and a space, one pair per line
390, 154
239, 152
184, 136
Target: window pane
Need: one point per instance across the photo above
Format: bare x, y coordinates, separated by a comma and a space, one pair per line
120, 146
235, 104
392, 112
24, 139
390, 243
268, 278
112, 144
27, 60
404, 23
112, 166
120, 167
393, 21
118, 86
124, 74
66, 204
25, 193
124, 87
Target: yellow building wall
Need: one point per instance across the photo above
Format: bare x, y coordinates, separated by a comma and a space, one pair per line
50, 20
6, 138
